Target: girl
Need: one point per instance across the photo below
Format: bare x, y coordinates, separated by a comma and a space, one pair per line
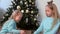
51, 23
10, 25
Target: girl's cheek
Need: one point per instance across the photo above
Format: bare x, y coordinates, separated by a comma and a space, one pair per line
17, 18
49, 13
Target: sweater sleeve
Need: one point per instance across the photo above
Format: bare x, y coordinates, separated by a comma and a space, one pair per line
39, 29
4, 30
11, 27
14, 30
4, 27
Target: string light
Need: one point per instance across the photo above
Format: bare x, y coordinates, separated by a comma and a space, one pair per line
27, 11
22, 11
30, 1
37, 15
21, 2
31, 11
26, 20
6, 14
35, 19
25, 2
18, 7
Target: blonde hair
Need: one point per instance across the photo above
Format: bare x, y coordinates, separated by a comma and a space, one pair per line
53, 7
14, 14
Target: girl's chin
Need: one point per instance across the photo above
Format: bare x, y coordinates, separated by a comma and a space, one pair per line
48, 16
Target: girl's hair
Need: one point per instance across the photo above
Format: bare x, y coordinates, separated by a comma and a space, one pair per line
14, 14
53, 7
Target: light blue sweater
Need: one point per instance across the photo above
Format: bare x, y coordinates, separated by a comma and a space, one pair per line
46, 25
9, 26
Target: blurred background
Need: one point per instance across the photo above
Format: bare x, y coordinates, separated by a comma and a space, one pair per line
40, 4
4, 4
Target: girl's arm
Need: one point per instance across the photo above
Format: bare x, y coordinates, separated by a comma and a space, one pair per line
4, 30
39, 29
11, 27
4, 27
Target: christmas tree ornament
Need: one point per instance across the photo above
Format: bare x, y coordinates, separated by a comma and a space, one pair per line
37, 15
26, 5
30, 1
22, 11
25, 2
18, 7
27, 11
26, 20
6, 14
35, 19
21, 2
32, 11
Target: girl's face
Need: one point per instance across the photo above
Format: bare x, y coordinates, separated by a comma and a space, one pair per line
18, 17
48, 11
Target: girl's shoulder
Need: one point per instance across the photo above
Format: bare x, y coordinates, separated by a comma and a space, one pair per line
9, 21
48, 19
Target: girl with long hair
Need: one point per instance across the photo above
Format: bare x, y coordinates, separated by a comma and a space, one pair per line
51, 23
10, 25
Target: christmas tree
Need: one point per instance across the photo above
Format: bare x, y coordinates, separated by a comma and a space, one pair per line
30, 13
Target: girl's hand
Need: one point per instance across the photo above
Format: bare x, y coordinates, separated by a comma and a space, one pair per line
22, 32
